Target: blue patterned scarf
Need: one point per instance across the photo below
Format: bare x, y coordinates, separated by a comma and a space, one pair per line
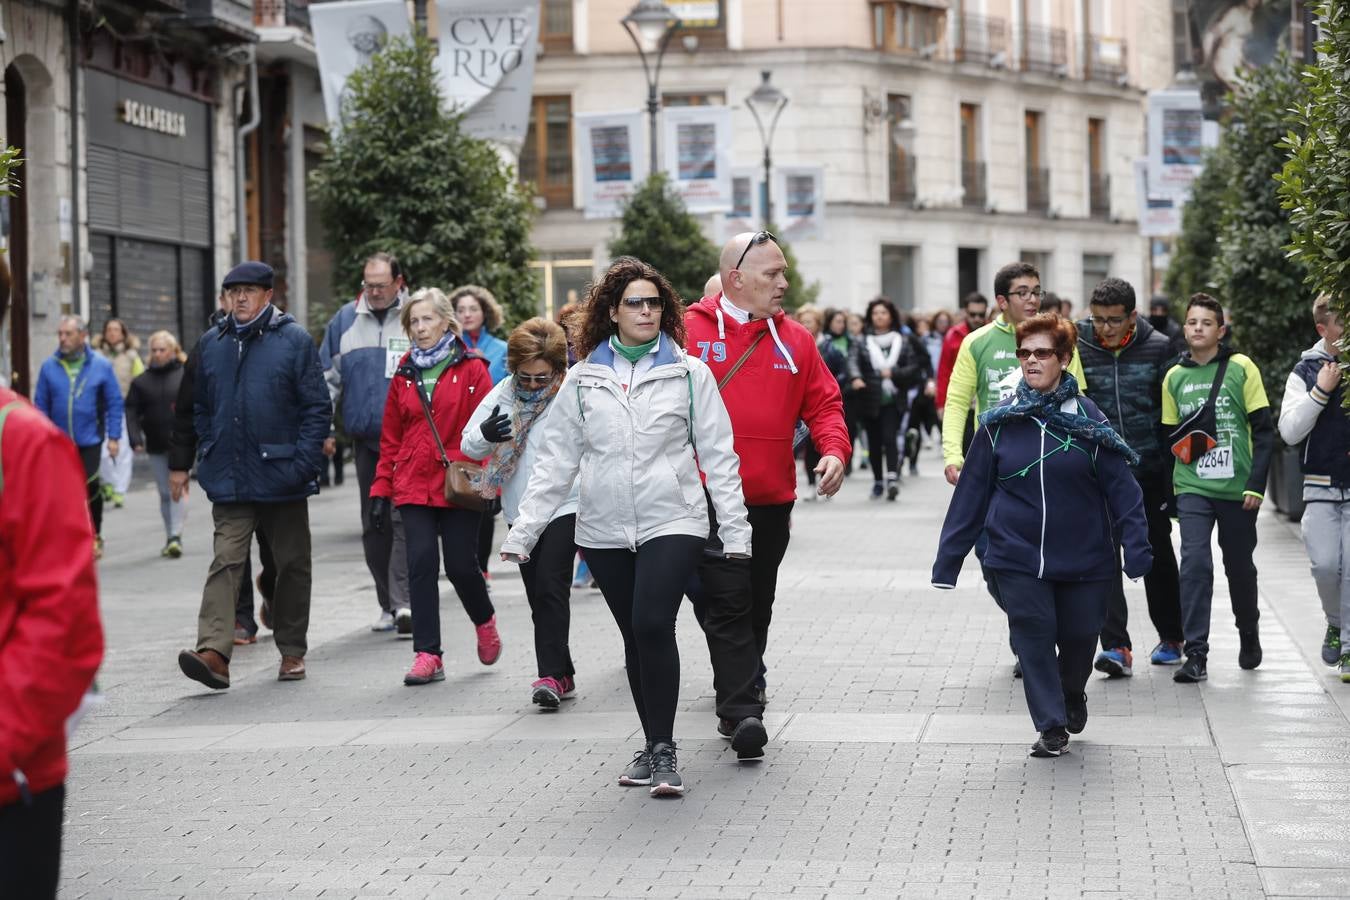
425, 359
1031, 403
526, 409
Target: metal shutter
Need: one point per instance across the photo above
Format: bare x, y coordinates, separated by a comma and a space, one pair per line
147, 286
102, 178
100, 279
196, 208
151, 198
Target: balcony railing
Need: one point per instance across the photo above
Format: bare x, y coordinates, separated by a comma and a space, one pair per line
280, 13
1044, 49
1099, 195
980, 39
973, 184
1105, 59
1038, 190
902, 179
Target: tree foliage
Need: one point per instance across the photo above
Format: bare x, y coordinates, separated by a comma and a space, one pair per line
1192, 266
657, 228
402, 176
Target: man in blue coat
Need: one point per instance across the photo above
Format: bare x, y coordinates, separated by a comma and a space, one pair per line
261, 414
77, 389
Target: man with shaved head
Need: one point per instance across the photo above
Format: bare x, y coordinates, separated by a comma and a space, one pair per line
771, 375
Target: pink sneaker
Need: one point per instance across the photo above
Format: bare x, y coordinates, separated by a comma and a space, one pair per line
569, 687
426, 668
547, 692
489, 642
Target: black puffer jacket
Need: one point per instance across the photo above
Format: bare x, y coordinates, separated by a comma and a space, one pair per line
1127, 387
150, 407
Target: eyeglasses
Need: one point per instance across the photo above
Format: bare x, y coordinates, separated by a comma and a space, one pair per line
761, 237
1041, 353
634, 304
377, 287
540, 380
1023, 293
1108, 321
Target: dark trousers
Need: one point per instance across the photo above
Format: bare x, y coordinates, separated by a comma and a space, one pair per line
1044, 616
386, 553
1161, 584
853, 424
487, 526
1237, 540
267, 577
643, 590
30, 846
90, 457
923, 414
457, 530
881, 433
548, 587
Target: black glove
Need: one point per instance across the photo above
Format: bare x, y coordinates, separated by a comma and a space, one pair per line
496, 427
379, 513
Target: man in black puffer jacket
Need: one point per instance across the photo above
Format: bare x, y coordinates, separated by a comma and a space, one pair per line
1125, 358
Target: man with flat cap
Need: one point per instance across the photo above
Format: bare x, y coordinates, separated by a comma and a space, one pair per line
261, 413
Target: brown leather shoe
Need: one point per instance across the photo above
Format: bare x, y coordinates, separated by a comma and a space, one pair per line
292, 669
207, 666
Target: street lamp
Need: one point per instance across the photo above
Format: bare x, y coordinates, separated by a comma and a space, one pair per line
650, 24
772, 101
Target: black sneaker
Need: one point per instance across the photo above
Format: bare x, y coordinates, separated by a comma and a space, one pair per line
892, 489
665, 780
1017, 668
749, 738
726, 728
403, 623
1052, 742
1075, 709
639, 772
1191, 671
1249, 656
1331, 646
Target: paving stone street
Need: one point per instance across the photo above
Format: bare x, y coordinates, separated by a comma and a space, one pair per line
897, 763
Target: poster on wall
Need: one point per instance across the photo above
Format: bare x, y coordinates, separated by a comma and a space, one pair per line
347, 35
1159, 211
799, 201
611, 157
1176, 141
696, 155
486, 62
1228, 36
746, 213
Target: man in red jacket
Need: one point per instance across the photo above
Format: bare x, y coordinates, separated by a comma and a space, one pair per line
51, 641
771, 375
976, 310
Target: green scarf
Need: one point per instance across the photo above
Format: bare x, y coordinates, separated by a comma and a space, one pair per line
632, 354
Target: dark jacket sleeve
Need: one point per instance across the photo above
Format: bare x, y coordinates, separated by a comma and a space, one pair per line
183, 437
1263, 445
135, 408
968, 510
912, 368
1126, 502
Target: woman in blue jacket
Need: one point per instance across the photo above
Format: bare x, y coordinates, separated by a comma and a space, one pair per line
1048, 481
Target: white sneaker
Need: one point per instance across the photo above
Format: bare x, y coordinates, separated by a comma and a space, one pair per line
403, 623
384, 623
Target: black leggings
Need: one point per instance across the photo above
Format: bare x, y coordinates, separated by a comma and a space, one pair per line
881, 432
30, 845
90, 457
644, 590
458, 531
548, 587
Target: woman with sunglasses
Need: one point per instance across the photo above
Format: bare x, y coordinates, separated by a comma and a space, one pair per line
1049, 481
506, 430
626, 426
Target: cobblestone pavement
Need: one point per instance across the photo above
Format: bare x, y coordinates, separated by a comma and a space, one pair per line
897, 765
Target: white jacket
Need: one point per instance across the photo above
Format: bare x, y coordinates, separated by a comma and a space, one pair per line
631, 448
475, 446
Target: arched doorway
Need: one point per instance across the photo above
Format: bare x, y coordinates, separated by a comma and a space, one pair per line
16, 134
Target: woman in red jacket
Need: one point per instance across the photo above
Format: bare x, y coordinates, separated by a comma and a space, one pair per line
410, 475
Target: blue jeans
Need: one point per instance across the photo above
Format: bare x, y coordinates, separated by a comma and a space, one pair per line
1237, 539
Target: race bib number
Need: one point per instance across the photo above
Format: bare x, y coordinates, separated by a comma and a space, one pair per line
1216, 465
394, 349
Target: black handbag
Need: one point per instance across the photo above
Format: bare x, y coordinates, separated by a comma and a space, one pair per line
1198, 434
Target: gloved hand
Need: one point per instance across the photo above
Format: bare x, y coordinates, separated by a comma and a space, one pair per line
496, 427
379, 514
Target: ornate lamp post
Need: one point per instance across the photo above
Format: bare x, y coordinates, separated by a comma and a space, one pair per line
650, 24
766, 104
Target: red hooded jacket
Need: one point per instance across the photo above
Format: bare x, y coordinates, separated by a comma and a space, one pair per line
951, 345
51, 639
410, 470
765, 398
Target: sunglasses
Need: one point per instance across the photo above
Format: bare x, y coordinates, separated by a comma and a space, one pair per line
534, 379
634, 304
761, 237
1041, 353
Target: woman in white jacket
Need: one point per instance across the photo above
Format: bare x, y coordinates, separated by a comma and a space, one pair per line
506, 430
627, 424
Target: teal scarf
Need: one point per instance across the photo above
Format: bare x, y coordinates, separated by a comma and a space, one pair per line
1031, 403
632, 354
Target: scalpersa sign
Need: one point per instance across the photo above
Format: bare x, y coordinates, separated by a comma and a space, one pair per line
152, 118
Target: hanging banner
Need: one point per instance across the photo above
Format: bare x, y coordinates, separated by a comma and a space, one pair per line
611, 158
1176, 141
799, 201
347, 34
1159, 213
486, 61
746, 214
696, 154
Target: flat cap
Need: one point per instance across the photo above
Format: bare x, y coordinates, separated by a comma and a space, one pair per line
250, 272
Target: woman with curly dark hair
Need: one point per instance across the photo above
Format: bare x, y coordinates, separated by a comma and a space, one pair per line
627, 422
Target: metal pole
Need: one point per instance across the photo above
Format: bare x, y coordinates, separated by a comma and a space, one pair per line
420, 16
652, 107
768, 187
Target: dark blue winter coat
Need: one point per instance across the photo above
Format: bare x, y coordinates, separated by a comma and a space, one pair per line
1050, 503
260, 410
1127, 386
87, 408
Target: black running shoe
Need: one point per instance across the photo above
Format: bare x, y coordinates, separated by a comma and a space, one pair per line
1017, 668
639, 772
1075, 709
749, 738
1191, 671
1249, 655
1052, 742
665, 779
726, 728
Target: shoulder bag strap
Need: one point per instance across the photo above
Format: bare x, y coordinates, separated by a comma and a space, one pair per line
426, 409
740, 362
1219, 375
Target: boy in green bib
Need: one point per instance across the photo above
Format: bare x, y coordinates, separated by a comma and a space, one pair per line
1222, 486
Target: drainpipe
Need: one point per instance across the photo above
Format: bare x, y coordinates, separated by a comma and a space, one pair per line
240, 134
76, 262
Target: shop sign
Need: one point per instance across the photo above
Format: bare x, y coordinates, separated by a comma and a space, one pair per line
152, 118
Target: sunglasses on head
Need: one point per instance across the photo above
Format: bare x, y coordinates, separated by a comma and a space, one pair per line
761, 237
634, 304
1041, 353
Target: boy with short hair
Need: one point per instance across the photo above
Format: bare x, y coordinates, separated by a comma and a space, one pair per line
1312, 418
1223, 486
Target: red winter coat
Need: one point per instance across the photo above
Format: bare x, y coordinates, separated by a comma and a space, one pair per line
765, 399
410, 469
951, 345
51, 641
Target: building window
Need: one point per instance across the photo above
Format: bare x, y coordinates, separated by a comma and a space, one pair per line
1099, 182
972, 166
969, 262
704, 25
687, 98
546, 156
900, 157
742, 197
1041, 260
1096, 266
563, 278
1038, 174
980, 39
897, 275
900, 27
555, 25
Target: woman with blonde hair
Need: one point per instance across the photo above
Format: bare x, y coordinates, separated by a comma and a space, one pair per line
150, 417
505, 429
438, 383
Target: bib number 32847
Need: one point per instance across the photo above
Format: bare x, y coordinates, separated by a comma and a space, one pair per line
1216, 465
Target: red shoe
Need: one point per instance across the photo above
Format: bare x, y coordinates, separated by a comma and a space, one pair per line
426, 668
489, 642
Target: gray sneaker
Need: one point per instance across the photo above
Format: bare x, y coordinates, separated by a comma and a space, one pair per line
639, 772
403, 623
1331, 646
384, 623
665, 779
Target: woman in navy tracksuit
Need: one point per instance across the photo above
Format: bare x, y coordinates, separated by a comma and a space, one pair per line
1049, 481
